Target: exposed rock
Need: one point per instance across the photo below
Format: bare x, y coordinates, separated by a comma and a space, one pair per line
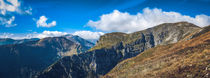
79, 40
115, 47
185, 59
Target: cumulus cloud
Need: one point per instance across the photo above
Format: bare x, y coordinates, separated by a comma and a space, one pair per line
6, 35
44, 34
7, 7
125, 22
8, 22
88, 34
11, 6
92, 36
50, 34
42, 22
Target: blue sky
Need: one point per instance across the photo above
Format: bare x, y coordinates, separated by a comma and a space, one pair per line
74, 15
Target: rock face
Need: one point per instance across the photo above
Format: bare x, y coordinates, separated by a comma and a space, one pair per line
112, 48
185, 59
85, 43
27, 59
160, 35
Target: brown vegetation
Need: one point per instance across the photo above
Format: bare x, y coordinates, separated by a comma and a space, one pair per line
185, 59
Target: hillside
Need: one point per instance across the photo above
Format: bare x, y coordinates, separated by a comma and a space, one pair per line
113, 48
185, 59
25, 60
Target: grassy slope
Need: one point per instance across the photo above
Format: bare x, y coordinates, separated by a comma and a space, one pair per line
183, 59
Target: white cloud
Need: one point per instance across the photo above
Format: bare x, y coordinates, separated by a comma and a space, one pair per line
44, 34
6, 35
8, 22
28, 11
125, 22
7, 8
88, 34
84, 34
11, 6
42, 22
50, 34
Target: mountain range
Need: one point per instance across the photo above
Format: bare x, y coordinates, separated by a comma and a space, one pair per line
25, 60
5, 41
169, 50
113, 48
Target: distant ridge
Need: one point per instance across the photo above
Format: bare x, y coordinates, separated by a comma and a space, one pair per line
26, 59
6, 41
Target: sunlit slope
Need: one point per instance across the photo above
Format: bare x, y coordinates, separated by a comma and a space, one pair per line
180, 60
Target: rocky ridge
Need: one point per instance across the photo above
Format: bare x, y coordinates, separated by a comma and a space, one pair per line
184, 59
112, 48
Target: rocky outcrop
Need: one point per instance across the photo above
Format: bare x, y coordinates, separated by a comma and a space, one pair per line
115, 47
78, 40
162, 34
185, 59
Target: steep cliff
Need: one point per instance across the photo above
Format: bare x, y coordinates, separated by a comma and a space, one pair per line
185, 59
161, 34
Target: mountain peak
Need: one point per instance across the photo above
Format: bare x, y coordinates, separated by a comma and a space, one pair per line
163, 34
112, 48
52, 40
179, 24
181, 59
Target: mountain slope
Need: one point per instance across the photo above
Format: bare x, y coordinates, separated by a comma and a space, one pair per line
180, 60
84, 43
204, 30
162, 34
115, 47
27, 59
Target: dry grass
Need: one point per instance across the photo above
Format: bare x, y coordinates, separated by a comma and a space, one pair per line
190, 59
